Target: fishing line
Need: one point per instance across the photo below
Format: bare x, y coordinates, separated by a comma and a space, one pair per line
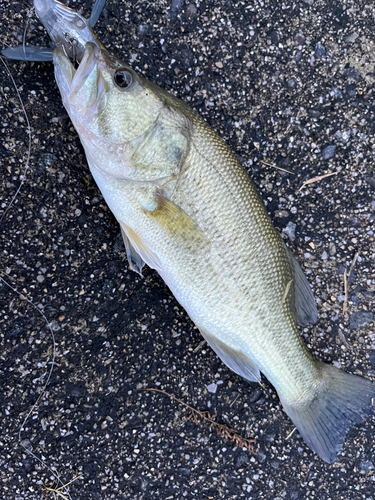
44, 390
23, 297
23, 176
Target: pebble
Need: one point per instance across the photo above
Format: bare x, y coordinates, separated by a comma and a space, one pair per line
356, 300
176, 5
47, 160
340, 270
314, 113
332, 249
261, 457
241, 460
5, 152
360, 319
212, 388
328, 152
351, 38
319, 50
342, 136
366, 466
352, 73
337, 93
300, 39
255, 395
143, 29
372, 358
290, 230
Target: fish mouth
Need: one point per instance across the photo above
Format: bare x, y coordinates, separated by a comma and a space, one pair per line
85, 88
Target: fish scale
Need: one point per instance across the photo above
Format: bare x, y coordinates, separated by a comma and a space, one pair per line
187, 209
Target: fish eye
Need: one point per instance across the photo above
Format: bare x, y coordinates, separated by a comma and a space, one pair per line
123, 78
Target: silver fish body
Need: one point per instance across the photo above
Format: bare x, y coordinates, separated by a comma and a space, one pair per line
187, 209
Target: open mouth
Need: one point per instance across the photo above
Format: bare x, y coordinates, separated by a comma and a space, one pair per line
85, 86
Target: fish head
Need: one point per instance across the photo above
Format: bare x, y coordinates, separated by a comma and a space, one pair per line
114, 110
67, 28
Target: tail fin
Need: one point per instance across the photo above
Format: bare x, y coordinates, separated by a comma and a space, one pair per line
341, 401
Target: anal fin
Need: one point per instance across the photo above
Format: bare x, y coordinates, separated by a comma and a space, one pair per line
234, 359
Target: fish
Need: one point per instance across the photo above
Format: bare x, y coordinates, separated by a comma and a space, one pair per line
188, 209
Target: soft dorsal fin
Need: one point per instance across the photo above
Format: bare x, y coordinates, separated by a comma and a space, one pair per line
305, 312
234, 359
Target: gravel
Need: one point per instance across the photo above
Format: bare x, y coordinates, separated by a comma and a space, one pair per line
360, 319
258, 74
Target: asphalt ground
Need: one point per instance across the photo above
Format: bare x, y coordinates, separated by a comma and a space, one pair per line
281, 82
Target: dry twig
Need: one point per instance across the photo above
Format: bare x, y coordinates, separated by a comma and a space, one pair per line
222, 429
200, 345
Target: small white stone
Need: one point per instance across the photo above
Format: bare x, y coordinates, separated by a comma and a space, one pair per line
212, 388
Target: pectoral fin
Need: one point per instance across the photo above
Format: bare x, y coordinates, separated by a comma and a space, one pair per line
305, 308
137, 251
175, 222
234, 359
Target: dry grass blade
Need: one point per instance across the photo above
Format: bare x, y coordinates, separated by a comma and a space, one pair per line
291, 434
56, 492
221, 429
346, 282
277, 168
316, 179
345, 305
355, 258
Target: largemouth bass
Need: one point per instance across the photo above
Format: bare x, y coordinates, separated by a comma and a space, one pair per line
187, 209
